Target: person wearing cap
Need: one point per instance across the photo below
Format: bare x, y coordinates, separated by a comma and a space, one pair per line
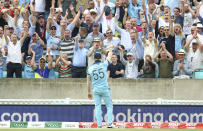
53, 41
182, 68
131, 64
199, 29
97, 47
97, 79
42, 70
79, 66
29, 66
95, 33
195, 54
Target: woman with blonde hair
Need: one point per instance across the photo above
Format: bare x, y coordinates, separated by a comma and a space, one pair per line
179, 38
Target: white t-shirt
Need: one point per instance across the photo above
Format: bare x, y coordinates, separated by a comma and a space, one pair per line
196, 58
201, 10
163, 23
39, 5
187, 23
14, 52
115, 41
130, 73
190, 36
108, 22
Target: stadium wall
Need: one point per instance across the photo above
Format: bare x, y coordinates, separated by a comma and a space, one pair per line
121, 89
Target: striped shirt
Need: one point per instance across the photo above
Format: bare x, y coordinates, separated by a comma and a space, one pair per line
67, 47
64, 71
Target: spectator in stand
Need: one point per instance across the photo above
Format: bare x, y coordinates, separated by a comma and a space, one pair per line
42, 70
40, 27
37, 45
179, 38
179, 14
97, 47
38, 6
150, 45
53, 41
199, 29
195, 54
3, 20
182, 68
29, 66
6, 4
91, 7
14, 54
125, 35
165, 63
148, 69
63, 66
108, 21
193, 32
137, 42
67, 44
115, 69
131, 64
134, 9
161, 34
120, 9
189, 16
169, 39
79, 60
95, 33
65, 4
110, 40
87, 23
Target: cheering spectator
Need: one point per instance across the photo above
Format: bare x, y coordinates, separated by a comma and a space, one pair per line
79, 60
37, 45
14, 54
115, 69
165, 63
95, 33
148, 69
179, 38
195, 54
131, 65
150, 45
97, 47
182, 68
29, 66
110, 40
63, 66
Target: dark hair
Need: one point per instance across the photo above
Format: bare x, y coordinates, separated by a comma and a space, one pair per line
177, 9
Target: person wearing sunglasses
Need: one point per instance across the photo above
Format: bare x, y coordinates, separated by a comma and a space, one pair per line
42, 70
111, 40
53, 41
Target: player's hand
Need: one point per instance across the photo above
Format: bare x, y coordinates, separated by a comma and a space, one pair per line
89, 95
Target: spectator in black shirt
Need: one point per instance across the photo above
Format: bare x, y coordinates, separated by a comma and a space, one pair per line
115, 69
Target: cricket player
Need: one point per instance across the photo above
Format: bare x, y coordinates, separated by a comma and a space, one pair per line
97, 75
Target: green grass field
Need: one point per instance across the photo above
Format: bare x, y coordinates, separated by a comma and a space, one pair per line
100, 129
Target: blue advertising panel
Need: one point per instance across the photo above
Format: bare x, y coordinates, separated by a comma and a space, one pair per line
85, 113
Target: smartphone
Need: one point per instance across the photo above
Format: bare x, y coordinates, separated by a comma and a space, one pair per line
81, 8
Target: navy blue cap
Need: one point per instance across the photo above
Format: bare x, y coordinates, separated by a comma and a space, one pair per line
95, 24
107, 10
81, 40
28, 57
40, 16
97, 55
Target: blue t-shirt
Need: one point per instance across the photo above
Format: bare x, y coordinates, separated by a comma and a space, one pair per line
28, 72
98, 75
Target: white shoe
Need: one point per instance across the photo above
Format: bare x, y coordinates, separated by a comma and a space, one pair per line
111, 126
